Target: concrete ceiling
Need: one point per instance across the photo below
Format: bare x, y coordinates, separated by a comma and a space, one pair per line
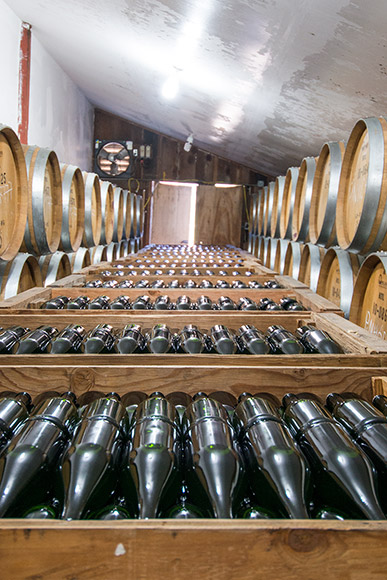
262, 82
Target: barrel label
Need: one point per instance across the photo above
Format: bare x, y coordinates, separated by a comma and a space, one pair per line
333, 285
357, 185
374, 309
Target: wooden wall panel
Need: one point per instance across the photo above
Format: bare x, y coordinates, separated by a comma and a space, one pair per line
169, 160
170, 214
218, 215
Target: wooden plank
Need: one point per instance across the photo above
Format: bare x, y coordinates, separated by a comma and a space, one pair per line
218, 215
72, 280
379, 386
213, 549
279, 380
23, 299
171, 214
351, 336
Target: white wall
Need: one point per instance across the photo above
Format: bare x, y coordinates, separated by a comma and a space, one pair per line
60, 117
9, 65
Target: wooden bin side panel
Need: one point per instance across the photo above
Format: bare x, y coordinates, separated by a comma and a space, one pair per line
212, 549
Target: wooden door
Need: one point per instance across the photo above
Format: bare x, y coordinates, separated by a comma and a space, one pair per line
218, 215
171, 211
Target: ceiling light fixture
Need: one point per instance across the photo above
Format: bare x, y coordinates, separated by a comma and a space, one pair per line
170, 88
188, 143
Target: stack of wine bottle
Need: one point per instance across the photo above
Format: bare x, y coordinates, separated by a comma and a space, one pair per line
208, 456
171, 272
164, 302
236, 284
74, 339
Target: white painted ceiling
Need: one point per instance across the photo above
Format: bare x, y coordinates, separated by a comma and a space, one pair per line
262, 82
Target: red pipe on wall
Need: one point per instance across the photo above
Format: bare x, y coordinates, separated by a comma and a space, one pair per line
24, 82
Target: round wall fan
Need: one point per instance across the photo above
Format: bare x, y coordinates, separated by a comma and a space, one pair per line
113, 159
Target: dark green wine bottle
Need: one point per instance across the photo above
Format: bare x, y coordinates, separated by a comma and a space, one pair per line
223, 340
190, 340
343, 475
69, 340
225, 303
10, 338
317, 341
246, 303
57, 303
90, 464
160, 339
14, 410
368, 426
183, 303
100, 340
380, 402
162, 302
37, 341
268, 304
288, 303
251, 340
29, 468
99, 303
204, 303
213, 466
283, 341
78, 303
150, 462
120, 303
131, 340
279, 473
141, 303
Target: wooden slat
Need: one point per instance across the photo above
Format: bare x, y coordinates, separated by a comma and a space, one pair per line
212, 549
123, 377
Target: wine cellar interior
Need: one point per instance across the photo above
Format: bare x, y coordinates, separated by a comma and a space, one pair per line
193, 290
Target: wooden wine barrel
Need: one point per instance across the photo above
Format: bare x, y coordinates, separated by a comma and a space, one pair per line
337, 276
112, 252
311, 258
98, 254
79, 259
123, 249
107, 211
361, 213
263, 248
250, 243
304, 188
54, 267
127, 215
118, 214
322, 215
271, 253
279, 262
253, 213
140, 215
133, 213
261, 209
18, 275
286, 212
369, 302
277, 204
293, 260
73, 204
268, 208
93, 213
13, 193
44, 217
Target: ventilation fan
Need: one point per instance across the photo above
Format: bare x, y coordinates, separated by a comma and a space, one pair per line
113, 159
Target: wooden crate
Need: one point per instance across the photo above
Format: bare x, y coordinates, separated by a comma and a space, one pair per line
307, 298
168, 549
